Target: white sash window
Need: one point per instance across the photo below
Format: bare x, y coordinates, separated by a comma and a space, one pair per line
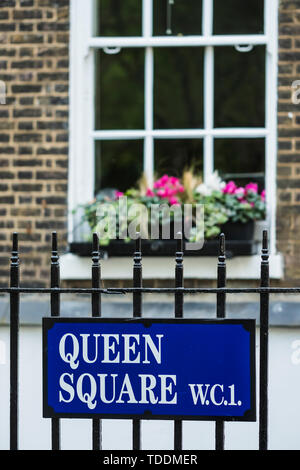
159, 85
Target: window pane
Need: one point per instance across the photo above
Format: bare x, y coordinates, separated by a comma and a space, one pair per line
239, 87
241, 160
120, 90
180, 17
172, 157
178, 88
118, 18
237, 17
119, 164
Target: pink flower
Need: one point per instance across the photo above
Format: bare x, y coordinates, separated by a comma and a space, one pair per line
161, 193
173, 200
118, 194
164, 179
161, 182
157, 184
150, 193
173, 191
239, 192
167, 187
251, 187
173, 180
230, 188
169, 191
263, 195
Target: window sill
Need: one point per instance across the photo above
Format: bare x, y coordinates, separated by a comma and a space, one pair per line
74, 267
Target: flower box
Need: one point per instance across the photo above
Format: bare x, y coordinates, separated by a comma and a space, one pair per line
157, 248
224, 207
238, 230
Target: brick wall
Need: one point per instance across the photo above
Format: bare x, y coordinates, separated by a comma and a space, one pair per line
288, 167
34, 44
34, 48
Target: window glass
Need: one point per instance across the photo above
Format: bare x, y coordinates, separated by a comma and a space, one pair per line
120, 89
177, 17
118, 18
119, 164
178, 88
173, 156
238, 17
239, 87
241, 160
239, 91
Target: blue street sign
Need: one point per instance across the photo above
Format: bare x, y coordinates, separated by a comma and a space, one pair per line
150, 369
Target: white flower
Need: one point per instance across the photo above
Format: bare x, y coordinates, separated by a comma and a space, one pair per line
213, 183
204, 190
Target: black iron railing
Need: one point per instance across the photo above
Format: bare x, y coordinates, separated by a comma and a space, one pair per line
137, 290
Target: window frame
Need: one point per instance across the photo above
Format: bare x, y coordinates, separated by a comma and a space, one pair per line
83, 134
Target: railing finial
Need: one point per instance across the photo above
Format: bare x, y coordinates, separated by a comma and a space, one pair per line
222, 245
54, 241
265, 241
15, 241
14, 253
179, 239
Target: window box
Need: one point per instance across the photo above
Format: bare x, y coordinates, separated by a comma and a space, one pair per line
235, 231
167, 248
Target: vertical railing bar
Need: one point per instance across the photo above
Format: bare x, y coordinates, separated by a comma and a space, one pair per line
137, 313
96, 312
55, 312
264, 346
14, 345
221, 313
178, 314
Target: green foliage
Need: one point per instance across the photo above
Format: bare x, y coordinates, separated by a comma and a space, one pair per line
220, 203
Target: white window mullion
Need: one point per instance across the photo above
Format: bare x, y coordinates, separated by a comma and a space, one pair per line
208, 90
148, 141
224, 133
118, 134
240, 132
207, 18
179, 133
208, 151
148, 93
178, 41
271, 24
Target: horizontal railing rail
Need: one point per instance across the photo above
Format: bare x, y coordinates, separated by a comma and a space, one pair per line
152, 290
